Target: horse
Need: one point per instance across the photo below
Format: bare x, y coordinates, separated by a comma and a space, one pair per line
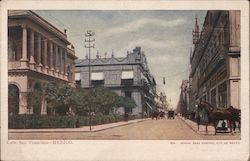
216, 114
161, 114
155, 114
236, 113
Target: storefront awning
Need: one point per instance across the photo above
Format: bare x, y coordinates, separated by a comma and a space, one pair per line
127, 74
97, 76
77, 76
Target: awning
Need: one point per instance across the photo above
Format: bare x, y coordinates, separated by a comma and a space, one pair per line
97, 76
127, 74
149, 106
77, 76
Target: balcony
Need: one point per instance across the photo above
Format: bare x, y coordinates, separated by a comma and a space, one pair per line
12, 65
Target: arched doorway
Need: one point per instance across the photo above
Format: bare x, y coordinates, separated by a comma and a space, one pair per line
13, 99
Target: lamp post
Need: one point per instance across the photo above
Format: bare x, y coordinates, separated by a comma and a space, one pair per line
89, 44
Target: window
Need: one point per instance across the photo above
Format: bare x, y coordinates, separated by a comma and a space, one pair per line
223, 95
213, 97
96, 83
78, 78
128, 94
97, 79
127, 82
127, 78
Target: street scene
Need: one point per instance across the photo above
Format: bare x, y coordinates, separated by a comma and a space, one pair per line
164, 129
124, 75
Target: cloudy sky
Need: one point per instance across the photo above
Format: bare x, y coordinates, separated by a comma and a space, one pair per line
165, 37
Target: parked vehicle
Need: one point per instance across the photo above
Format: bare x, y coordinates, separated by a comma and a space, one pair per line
171, 114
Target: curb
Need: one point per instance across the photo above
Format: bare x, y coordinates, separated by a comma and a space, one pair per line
189, 126
69, 131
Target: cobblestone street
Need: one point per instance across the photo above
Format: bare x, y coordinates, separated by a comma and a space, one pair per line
165, 129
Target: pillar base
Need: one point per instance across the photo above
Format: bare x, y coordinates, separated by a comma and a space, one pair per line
24, 63
46, 69
57, 73
52, 71
32, 65
39, 67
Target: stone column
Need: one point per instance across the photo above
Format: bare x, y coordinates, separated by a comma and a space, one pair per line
39, 48
24, 59
61, 62
44, 102
32, 60
56, 57
45, 55
65, 65
22, 103
234, 31
51, 58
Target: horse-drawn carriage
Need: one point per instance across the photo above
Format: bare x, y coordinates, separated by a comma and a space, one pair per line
227, 116
171, 114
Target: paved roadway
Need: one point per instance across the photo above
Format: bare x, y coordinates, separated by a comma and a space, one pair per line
165, 129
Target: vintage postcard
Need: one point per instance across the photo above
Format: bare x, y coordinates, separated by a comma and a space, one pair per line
124, 80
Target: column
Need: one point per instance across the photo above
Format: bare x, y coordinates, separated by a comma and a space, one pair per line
51, 58
44, 101
61, 61
234, 31
45, 55
32, 61
56, 57
23, 107
39, 48
65, 64
24, 59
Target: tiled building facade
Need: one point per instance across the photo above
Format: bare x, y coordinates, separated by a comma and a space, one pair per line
38, 53
215, 61
127, 76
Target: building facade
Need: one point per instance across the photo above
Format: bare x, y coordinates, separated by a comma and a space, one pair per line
184, 103
38, 53
127, 76
215, 60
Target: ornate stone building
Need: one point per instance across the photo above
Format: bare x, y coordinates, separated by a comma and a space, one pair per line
38, 53
215, 60
127, 76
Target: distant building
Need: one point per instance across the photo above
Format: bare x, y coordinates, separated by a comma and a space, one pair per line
183, 104
215, 60
127, 76
161, 101
38, 53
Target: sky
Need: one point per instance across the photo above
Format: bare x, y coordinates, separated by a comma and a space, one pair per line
165, 37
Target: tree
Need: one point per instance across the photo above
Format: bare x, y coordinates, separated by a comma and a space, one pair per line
80, 101
103, 100
126, 102
59, 97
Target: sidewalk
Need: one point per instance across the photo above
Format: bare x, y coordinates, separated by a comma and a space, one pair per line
202, 128
81, 129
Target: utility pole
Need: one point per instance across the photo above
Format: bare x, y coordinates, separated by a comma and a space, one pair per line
90, 44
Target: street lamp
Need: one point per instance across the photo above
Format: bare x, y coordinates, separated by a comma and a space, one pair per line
89, 44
